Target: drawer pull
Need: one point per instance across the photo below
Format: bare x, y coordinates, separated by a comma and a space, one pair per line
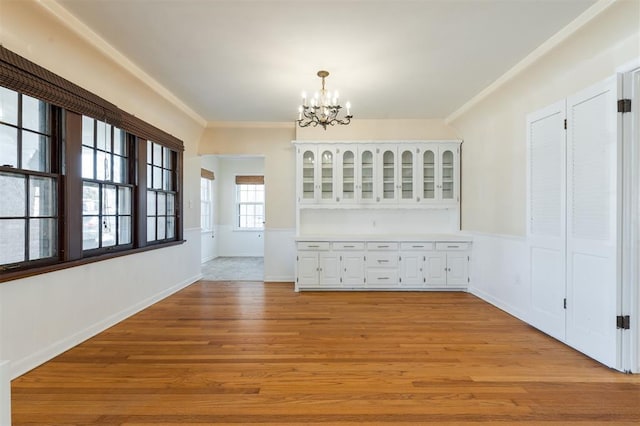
313, 246
417, 246
383, 246
382, 260
349, 246
453, 246
383, 278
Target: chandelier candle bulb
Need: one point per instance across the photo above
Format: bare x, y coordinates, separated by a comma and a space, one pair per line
323, 109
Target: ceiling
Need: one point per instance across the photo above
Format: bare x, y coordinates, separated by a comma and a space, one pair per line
236, 60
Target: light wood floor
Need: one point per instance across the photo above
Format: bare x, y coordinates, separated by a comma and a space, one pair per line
254, 353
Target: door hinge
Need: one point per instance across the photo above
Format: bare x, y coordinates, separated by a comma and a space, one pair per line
297, 258
565, 123
468, 279
400, 279
623, 322
340, 279
296, 279
624, 105
468, 260
564, 303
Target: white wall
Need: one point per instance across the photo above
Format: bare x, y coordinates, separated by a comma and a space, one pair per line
233, 242
44, 315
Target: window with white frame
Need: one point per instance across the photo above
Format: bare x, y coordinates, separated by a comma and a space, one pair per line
250, 202
206, 200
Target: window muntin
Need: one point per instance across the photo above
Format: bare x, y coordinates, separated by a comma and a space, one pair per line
29, 208
106, 195
33, 150
161, 193
250, 206
25, 132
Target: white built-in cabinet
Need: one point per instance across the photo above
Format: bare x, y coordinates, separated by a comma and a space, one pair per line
382, 265
413, 173
376, 192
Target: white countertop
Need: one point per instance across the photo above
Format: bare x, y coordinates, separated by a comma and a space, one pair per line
380, 237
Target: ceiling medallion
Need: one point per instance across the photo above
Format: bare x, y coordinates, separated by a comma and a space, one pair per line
323, 108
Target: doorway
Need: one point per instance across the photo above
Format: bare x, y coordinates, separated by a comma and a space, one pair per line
233, 246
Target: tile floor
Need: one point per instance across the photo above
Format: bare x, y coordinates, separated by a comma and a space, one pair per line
234, 269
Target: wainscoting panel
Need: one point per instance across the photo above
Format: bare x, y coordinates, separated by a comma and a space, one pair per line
279, 254
500, 272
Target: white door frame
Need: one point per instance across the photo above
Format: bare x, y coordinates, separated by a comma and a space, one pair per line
629, 125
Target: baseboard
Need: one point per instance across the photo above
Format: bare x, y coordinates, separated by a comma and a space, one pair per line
207, 259
278, 279
20, 367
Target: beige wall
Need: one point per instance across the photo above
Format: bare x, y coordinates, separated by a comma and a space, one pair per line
373, 130
274, 143
494, 156
29, 30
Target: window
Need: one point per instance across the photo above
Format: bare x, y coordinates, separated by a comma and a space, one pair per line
206, 202
106, 195
250, 202
79, 178
28, 188
161, 195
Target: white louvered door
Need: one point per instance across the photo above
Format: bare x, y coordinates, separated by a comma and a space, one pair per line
546, 214
593, 207
574, 221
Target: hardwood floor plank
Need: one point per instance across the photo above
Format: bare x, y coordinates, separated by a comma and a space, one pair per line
255, 353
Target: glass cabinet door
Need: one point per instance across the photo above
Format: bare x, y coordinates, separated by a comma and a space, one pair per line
388, 175
326, 175
406, 173
447, 175
366, 175
308, 175
348, 175
428, 175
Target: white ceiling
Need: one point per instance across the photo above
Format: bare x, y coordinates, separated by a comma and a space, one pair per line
250, 60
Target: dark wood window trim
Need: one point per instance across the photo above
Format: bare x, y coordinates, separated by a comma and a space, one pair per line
69, 103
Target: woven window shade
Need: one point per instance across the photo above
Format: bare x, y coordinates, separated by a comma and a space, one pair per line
249, 180
207, 174
22, 75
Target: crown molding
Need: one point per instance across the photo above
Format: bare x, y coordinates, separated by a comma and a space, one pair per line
555, 40
81, 29
251, 124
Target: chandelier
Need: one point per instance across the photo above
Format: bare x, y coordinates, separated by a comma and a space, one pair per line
323, 108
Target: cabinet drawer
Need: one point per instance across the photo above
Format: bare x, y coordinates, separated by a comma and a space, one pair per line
313, 245
382, 246
382, 260
348, 246
452, 246
416, 246
382, 277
